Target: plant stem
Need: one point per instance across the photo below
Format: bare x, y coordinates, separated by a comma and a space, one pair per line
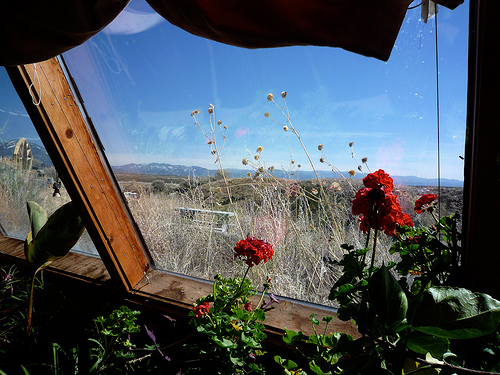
241, 284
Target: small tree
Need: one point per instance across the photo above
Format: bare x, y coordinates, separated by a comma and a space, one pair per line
158, 186
219, 175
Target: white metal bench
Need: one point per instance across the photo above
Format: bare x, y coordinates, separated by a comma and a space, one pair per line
217, 220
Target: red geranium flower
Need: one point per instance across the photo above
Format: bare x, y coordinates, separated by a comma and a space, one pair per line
378, 206
424, 200
253, 250
377, 180
200, 310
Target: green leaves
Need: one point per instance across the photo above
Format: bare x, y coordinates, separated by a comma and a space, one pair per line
54, 237
422, 343
456, 313
232, 327
387, 298
50, 238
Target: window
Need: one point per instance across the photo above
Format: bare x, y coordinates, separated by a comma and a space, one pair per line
141, 83
177, 293
26, 170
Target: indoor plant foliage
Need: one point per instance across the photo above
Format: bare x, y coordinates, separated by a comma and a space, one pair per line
420, 322
228, 320
50, 238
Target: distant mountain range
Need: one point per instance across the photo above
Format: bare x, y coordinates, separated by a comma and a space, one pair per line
182, 170
39, 152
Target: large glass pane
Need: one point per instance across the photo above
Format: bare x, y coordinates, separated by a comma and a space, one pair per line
26, 171
197, 182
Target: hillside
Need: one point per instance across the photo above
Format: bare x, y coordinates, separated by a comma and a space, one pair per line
162, 169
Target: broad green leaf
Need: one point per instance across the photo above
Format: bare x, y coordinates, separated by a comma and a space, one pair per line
225, 343
285, 363
422, 343
387, 297
313, 339
259, 315
314, 320
456, 313
291, 337
56, 238
249, 340
327, 319
38, 217
317, 370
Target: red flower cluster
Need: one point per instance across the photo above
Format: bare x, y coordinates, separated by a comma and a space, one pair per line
378, 205
253, 250
424, 200
200, 310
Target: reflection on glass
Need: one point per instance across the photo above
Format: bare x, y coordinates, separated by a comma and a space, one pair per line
26, 171
204, 158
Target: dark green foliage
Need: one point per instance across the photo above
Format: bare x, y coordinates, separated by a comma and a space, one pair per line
231, 331
416, 322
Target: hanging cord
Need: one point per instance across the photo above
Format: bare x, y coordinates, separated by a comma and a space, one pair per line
438, 123
35, 78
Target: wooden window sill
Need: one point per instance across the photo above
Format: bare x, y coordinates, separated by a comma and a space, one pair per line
170, 294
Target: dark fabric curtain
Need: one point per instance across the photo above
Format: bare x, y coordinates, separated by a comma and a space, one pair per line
36, 30
364, 26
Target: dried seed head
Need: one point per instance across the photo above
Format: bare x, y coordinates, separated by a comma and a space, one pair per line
285, 128
266, 114
192, 113
249, 174
350, 144
271, 168
260, 149
359, 168
214, 152
219, 122
364, 160
211, 110
261, 169
209, 142
283, 94
292, 161
225, 127
270, 97
298, 165
256, 157
218, 189
244, 161
321, 160
352, 172
320, 147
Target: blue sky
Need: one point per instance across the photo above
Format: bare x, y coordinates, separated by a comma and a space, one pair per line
142, 77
